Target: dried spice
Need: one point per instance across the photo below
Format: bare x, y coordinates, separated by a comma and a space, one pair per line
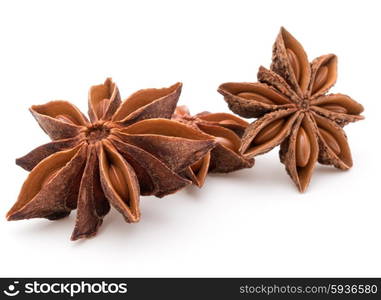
294, 111
124, 151
226, 130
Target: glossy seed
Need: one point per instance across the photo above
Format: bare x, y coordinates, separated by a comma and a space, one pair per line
118, 181
269, 132
335, 108
303, 148
65, 118
102, 107
225, 142
320, 79
330, 141
294, 63
255, 97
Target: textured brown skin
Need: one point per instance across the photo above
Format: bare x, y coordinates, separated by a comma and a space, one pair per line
56, 198
54, 128
314, 105
56, 132
160, 108
29, 161
277, 83
222, 159
238, 125
164, 180
256, 127
288, 154
231, 161
243, 107
132, 214
73, 171
327, 156
315, 65
339, 118
280, 65
199, 178
176, 156
106, 89
88, 219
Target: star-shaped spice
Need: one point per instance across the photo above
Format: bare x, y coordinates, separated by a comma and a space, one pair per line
226, 130
124, 151
294, 111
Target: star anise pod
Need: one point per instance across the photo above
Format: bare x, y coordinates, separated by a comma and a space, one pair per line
124, 151
226, 130
294, 111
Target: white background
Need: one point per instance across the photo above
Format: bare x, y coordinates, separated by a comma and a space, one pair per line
249, 223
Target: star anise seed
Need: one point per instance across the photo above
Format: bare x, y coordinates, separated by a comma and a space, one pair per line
294, 111
127, 149
226, 130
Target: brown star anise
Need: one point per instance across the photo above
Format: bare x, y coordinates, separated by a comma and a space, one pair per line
123, 151
226, 130
294, 111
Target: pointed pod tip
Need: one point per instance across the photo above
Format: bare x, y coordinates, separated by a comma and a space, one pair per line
301, 187
177, 86
250, 162
199, 184
347, 165
283, 30
261, 68
75, 236
134, 219
23, 164
10, 216
284, 34
174, 89
224, 88
221, 90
